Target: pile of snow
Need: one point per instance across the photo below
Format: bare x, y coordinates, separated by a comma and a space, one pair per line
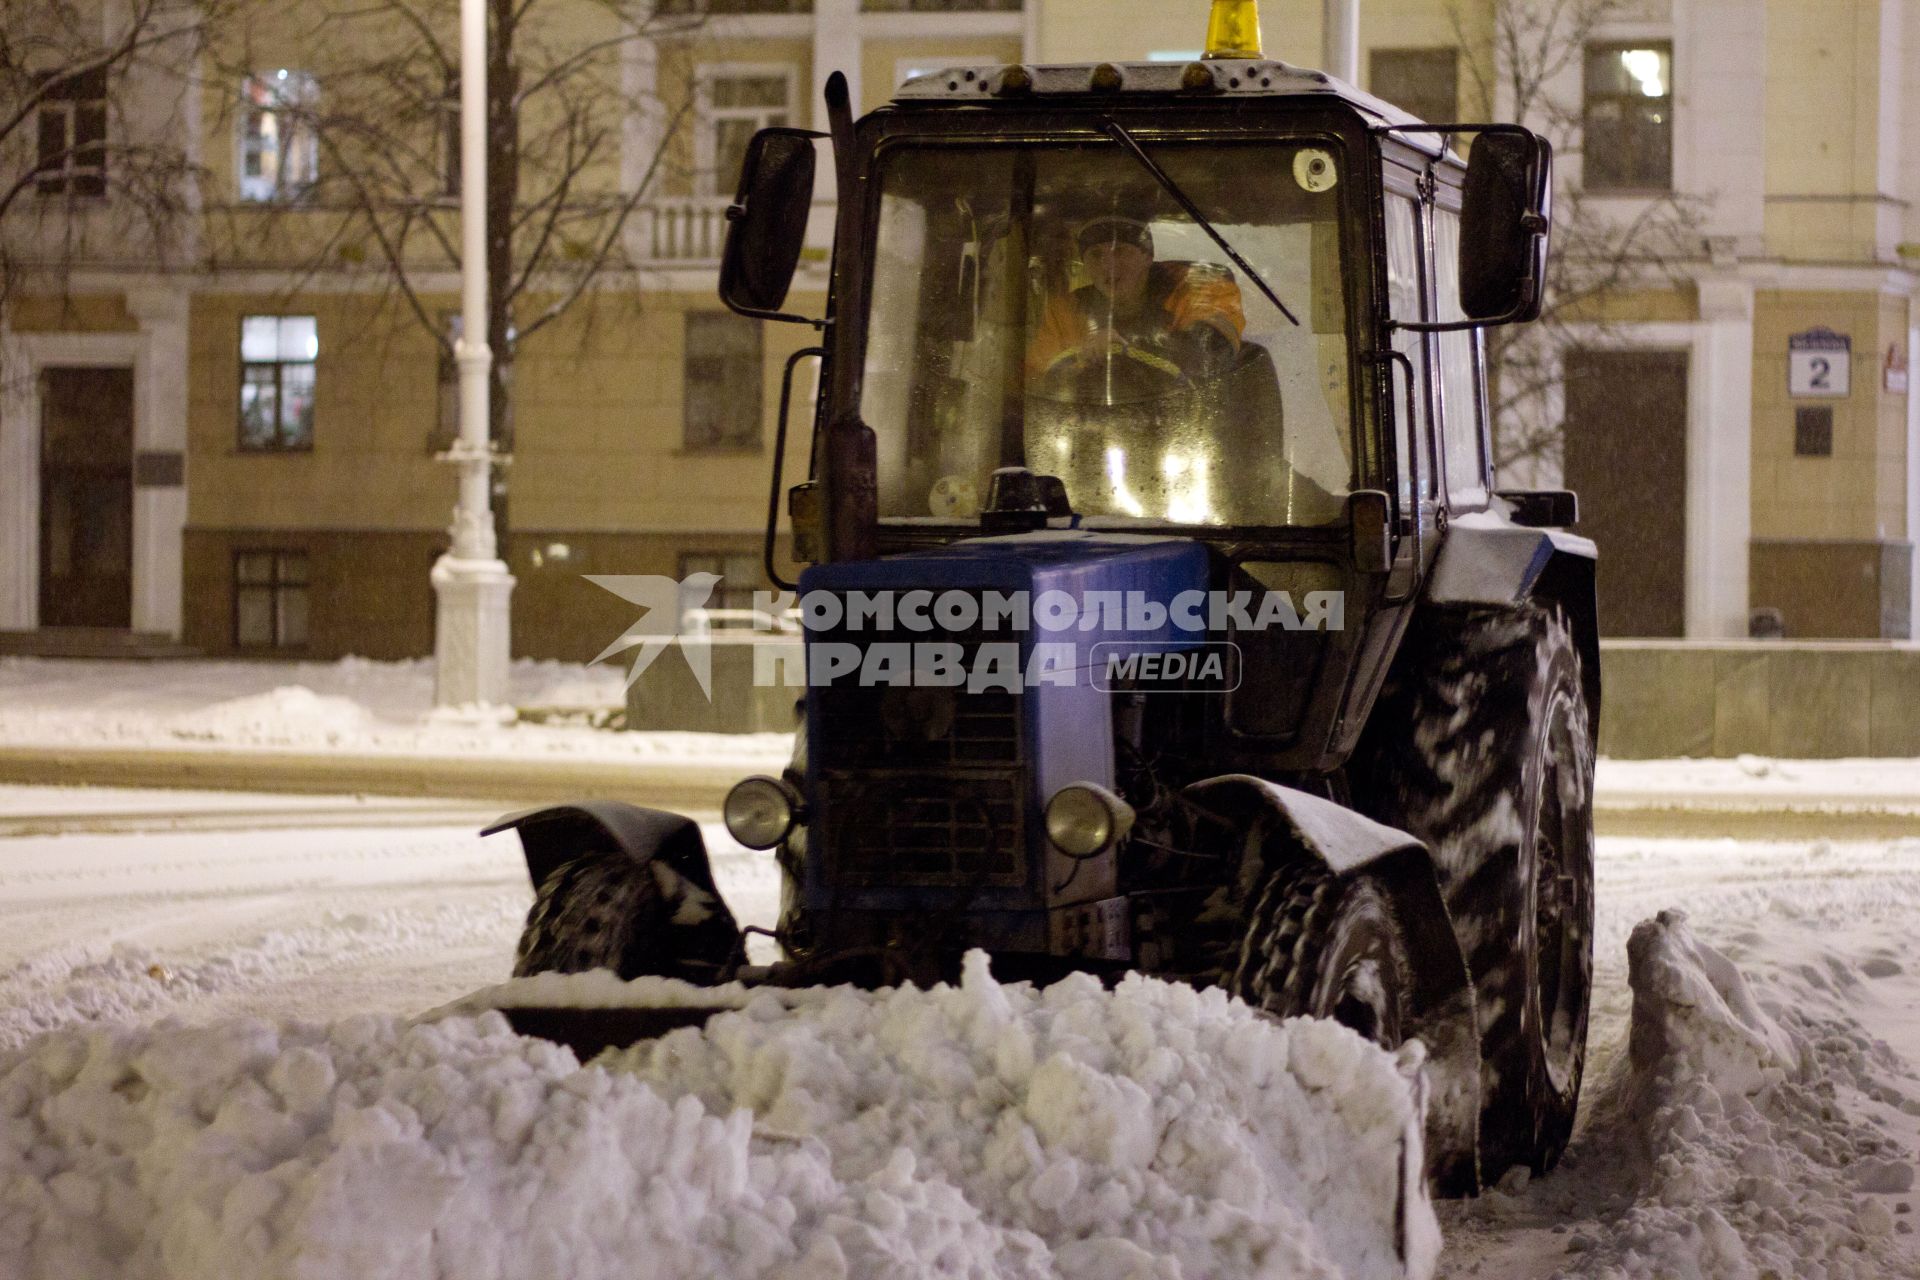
1731, 1143
352, 705
274, 716
1152, 1131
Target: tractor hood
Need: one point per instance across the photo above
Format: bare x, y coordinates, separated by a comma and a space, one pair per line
936, 732
1081, 588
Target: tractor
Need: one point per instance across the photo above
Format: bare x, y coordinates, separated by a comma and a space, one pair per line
1160, 614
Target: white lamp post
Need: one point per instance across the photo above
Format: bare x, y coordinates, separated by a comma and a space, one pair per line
471, 635
1340, 39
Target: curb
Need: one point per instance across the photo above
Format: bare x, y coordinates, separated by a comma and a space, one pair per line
701, 786
507, 781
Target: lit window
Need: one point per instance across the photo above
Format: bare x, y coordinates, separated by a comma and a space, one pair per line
270, 599
723, 372
1628, 144
735, 105
72, 120
279, 152
278, 356
1424, 82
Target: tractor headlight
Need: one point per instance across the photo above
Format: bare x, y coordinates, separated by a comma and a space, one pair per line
759, 812
1084, 819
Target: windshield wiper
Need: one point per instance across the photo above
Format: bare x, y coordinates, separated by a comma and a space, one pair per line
1119, 134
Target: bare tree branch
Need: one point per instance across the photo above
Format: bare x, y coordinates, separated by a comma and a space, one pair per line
1529, 71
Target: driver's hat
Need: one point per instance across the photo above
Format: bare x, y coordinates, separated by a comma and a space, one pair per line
1115, 228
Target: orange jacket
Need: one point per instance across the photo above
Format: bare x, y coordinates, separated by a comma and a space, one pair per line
1180, 296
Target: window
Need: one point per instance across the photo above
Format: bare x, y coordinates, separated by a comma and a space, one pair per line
739, 574
735, 104
450, 140
1459, 370
940, 6
723, 374
446, 428
279, 152
977, 340
1425, 82
1628, 117
277, 359
270, 599
1404, 291
73, 134
734, 6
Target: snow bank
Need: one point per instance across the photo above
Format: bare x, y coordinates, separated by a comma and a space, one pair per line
986, 1130
1732, 1144
274, 716
354, 704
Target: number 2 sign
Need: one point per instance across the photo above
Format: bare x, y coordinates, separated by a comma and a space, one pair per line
1819, 363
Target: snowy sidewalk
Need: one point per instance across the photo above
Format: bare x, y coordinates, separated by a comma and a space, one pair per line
360, 726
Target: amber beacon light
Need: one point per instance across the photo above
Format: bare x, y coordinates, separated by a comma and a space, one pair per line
1233, 29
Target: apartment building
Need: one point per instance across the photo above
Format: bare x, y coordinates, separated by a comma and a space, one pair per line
239, 451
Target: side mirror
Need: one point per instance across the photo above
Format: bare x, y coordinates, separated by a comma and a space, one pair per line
767, 223
1506, 210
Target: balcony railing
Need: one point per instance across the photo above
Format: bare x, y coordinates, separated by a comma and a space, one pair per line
941, 6
687, 230
806, 6
734, 6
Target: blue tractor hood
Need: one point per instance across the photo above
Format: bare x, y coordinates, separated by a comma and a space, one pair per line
1101, 574
976, 760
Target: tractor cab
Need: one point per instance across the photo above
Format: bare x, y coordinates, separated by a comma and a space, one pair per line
1231, 302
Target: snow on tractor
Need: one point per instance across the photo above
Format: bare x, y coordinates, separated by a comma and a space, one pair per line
1160, 613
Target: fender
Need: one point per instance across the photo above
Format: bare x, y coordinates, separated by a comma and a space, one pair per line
1346, 842
558, 834
1489, 561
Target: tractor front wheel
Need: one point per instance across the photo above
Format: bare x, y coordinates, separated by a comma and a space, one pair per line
596, 912
1326, 946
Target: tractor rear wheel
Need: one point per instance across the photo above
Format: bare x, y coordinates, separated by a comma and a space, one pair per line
1481, 746
1325, 946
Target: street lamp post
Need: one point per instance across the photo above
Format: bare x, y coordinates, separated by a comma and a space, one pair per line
471, 632
1340, 39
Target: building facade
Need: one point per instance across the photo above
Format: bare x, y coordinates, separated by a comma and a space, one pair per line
238, 451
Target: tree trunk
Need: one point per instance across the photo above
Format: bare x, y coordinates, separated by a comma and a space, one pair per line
503, 195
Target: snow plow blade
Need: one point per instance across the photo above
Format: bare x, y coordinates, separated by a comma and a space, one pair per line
590, 1032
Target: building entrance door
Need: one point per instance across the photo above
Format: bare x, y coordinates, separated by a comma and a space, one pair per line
1626, 456
86, 498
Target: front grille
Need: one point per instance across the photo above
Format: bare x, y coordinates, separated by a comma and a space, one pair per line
920, 785
909, 828
896, 726
899, 725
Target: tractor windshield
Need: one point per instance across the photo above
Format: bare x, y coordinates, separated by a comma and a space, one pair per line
1055, 308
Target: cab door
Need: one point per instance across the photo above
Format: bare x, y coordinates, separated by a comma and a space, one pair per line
1413, 410
1460, 368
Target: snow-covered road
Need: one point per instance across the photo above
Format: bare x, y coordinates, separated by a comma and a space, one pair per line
138, 905
209, 904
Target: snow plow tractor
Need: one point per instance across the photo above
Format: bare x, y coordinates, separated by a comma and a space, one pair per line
1160, 614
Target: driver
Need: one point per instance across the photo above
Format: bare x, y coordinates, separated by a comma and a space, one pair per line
1180, 319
